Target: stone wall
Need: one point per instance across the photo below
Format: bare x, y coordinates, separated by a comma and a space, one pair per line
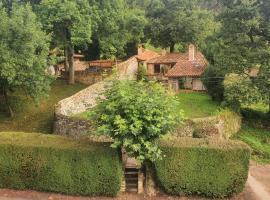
86, 99
128, 69
87, 78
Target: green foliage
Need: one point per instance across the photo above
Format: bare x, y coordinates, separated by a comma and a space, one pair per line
258, 138
141, 74
240, 90
69, 22
23, 52
232, 122
173, 22
135, 115
242, 45
213, 81
210, 168
56, 164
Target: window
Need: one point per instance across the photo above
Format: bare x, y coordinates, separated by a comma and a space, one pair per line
157, 69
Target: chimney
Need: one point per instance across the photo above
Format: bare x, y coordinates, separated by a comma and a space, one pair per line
163, 52
191, 52
140, 49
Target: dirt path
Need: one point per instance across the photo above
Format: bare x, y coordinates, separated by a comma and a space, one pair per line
257, 188
259, 182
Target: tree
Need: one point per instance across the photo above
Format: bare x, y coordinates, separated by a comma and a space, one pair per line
117, 26
70, 22
244, 46
136, 115
24, 50
178, 21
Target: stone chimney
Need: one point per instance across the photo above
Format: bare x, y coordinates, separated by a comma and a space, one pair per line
191, 52
163, 52
140, 49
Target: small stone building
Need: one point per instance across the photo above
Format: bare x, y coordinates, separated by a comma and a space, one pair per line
179, 70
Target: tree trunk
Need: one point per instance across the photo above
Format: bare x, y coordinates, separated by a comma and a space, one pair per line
172, 47
11, 113
66, 60
70, 52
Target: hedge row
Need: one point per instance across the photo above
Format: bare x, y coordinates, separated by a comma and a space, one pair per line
203, 167
57, 164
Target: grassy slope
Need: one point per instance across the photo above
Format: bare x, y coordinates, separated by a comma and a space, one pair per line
196, 105
258, 139
36, 118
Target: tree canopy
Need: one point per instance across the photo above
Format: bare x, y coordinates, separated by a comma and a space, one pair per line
136, 114
24, 49
178, 22
70, 23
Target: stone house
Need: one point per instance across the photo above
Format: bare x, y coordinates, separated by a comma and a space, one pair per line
179, 70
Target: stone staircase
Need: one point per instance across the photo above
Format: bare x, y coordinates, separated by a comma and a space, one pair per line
131, 179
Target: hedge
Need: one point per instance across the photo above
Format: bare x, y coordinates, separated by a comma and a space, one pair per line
203, 167
56, 164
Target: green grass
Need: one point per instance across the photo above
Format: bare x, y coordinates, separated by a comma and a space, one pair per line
197, 105
30, 117
258, 138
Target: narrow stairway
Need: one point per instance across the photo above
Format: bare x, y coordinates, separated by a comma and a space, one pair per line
131, 179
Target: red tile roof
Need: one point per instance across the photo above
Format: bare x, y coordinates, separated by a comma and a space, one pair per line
169, 58
147, 55
187, 68
182, 65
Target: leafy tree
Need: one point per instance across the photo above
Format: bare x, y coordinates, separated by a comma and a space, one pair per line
244, 45
213, 81
135, 115
70, 22
178, 21
239, 90
117, 26
23, 53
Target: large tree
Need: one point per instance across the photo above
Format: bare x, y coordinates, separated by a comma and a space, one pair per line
118, 25
243, 47
23, 53
70, 22
178, 22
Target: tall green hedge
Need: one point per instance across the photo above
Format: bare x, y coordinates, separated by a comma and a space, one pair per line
57, 164
204, 167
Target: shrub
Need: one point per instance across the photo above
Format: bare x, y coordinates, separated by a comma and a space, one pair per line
136, 115
57, 164
209, 168
206, 128
231, 123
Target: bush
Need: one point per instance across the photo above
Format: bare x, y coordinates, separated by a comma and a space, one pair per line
57, 164
207, 128
209, 168
135, 115
232, 123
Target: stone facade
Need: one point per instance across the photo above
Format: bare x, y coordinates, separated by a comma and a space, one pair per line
86, 77
86, 99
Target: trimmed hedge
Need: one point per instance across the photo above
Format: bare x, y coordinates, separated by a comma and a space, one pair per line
56, 164
203, 167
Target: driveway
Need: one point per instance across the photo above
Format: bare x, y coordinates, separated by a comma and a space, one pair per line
257, 188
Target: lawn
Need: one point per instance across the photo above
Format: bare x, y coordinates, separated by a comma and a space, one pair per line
197, 105
258, 139
32, 117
